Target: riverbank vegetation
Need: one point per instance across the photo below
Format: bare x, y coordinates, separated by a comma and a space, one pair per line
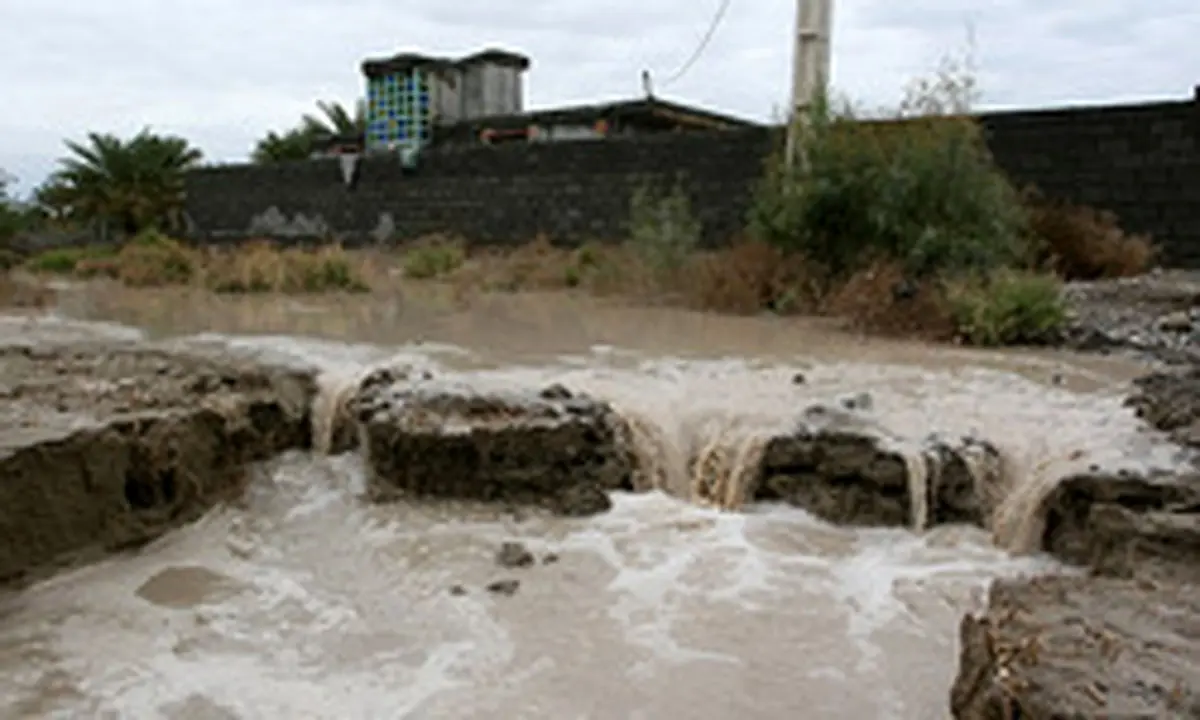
900, 222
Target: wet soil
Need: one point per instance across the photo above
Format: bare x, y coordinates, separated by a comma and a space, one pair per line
1124, 639
105, 446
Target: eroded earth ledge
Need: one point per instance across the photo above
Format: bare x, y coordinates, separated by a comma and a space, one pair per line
106, 445
1122, 640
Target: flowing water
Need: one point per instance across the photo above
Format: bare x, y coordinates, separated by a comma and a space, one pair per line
303, 602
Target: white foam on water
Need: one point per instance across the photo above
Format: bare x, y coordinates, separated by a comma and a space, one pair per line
658, 608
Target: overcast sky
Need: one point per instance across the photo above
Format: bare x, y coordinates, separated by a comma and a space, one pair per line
221, 72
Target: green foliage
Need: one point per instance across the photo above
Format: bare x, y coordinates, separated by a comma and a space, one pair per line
435, 260
294, 144
122, 185
1008, 308
919, 187
300, 142
12, 220
66, 261
663, 231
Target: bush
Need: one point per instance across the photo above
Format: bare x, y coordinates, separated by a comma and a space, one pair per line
664, 234
1081, 243
920, 188
63, 261
882, 299
152, 259
751, 276
1008, 308
434, 258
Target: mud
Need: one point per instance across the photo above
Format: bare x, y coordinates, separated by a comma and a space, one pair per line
105, 446
551, 447
1150, 316
1121, 641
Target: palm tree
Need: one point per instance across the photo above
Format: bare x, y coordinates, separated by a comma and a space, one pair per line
127, 185
337, 119
302, 141
295, 144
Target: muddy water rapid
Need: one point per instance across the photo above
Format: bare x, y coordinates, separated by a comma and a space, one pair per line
302, 602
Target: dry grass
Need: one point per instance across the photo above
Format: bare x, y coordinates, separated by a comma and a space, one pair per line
263, 267
154, 260
882, 300
751, 276
1082, 243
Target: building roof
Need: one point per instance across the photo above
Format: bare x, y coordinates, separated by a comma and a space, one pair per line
643, 108
404, 62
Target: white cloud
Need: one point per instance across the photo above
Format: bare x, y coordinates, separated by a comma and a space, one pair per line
222, 72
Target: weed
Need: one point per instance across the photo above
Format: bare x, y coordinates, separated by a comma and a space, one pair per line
434, 258
664, 234
151, 259
63, 261
1081, 243
1008, 308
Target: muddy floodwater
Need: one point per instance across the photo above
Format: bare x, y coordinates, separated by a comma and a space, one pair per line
302, 601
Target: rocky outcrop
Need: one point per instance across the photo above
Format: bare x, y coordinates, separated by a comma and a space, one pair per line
551, 448
842, 467
106, 446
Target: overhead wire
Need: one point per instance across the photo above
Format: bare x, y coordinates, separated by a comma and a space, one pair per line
722, 9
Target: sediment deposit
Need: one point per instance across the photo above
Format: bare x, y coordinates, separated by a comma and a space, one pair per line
105, 445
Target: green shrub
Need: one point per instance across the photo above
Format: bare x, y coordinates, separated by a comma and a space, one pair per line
1008, 308
919, 187
63, 261
433, 260
663, 231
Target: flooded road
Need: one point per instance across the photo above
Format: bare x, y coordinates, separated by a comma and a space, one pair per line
303, 602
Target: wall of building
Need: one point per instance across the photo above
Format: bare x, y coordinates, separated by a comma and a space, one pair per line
1142, 162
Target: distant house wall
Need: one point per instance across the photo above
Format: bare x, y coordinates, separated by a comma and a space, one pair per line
1140, 161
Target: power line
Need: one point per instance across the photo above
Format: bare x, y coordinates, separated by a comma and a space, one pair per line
704, 41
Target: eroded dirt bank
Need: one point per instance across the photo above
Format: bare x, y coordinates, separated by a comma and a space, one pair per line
1124, 639
106, 445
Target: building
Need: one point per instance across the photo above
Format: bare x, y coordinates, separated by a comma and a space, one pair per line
414, 101
644, 116
408, 95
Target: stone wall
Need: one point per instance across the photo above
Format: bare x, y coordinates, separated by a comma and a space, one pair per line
1140, 161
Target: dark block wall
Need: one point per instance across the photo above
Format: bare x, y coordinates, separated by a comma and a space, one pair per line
1139, 161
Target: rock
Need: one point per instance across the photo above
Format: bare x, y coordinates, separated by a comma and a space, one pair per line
847, 469
458, 590
1170, 401
508, 588
103, 449
549, 558
553, 449
1150, 316
1114, 522
1077, 647
1179, 321
857, 401
513, 555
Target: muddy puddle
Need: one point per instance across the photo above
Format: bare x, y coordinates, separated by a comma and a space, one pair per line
303, 602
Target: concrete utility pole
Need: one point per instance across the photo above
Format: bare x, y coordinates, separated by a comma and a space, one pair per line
810, 68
